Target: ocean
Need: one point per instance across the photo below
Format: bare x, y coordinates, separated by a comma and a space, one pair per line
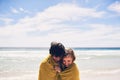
93, 63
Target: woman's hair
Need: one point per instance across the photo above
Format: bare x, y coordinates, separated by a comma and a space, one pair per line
57, 49
69, 52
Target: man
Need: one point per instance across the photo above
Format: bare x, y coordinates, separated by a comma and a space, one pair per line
47, 71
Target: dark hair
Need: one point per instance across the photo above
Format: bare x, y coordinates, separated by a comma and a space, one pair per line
57, 49
69, 52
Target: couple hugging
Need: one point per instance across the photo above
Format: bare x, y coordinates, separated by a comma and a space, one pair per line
59, 65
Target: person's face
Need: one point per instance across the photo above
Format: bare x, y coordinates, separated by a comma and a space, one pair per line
67, 61
56, 58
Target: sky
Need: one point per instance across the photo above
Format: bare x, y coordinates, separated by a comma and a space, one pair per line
74, 23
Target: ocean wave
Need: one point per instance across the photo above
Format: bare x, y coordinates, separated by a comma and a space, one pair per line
101, 71
98, 53
23, 54
28, 76
85, 58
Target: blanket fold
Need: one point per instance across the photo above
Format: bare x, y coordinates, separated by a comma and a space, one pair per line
47, 71
70, 73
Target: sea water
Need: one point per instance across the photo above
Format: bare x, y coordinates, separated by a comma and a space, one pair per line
93, 64
98, 64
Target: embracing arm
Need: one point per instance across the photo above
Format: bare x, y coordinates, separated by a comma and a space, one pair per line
71, 73
40, 73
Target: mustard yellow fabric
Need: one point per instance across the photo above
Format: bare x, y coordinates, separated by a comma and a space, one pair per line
70, 73
47, 71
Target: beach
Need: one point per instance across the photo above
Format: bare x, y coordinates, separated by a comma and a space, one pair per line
93, 64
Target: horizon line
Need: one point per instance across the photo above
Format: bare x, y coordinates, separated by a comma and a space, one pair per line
71, 47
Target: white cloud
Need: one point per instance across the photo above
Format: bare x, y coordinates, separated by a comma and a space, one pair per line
58, 14
6, 20
20, 10
23, 10
14, 10
115, 7
70, 12
50, 25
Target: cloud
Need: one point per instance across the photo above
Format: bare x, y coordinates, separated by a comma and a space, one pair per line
115, 7
59, 14
6, 20
54, 24
23, 10
19, 10
14, 10
70, 12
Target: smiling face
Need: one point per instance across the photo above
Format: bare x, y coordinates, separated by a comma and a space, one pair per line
67, 61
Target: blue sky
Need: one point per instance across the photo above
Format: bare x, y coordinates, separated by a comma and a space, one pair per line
75, 23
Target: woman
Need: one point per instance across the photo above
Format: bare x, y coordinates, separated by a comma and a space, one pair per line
69, 70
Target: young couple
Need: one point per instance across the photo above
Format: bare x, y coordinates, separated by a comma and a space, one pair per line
59, 65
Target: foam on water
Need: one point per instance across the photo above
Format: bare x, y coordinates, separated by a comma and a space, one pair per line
24, 65
24, 54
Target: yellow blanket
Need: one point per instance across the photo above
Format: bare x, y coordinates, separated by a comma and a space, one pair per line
70, 73
47, 71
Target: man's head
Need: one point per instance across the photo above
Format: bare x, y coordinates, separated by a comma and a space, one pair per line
57, 51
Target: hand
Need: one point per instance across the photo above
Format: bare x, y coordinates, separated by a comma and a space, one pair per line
57, 69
